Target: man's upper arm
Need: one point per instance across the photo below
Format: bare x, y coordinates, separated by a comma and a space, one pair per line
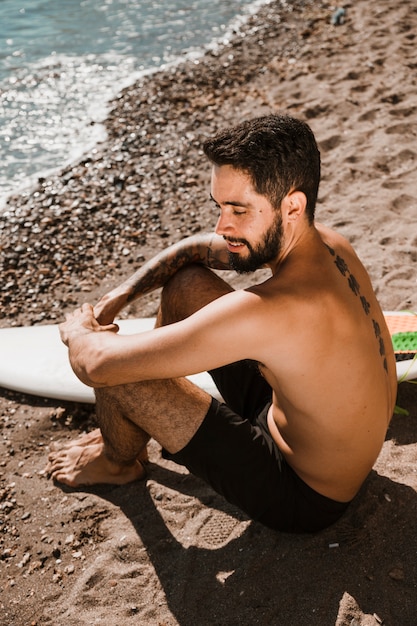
218, 334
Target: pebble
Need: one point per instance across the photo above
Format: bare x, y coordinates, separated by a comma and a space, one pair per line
56, 552
397, 573
57, 577
25, 560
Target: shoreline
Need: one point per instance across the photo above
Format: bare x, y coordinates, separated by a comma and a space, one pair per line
99, 120
86, 136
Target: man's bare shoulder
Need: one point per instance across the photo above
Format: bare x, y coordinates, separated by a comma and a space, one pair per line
332, 238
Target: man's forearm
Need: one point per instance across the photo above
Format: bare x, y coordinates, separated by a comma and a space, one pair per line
207, 249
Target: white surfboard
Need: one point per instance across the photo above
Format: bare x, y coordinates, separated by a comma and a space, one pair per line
33, 360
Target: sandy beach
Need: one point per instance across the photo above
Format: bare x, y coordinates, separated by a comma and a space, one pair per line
168, 551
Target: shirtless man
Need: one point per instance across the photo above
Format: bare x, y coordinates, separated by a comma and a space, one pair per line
303, 360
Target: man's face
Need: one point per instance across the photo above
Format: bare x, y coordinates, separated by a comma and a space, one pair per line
250, 225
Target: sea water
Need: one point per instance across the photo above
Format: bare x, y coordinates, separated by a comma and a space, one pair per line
61, 61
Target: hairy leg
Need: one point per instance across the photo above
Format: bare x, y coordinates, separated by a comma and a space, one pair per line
170, 411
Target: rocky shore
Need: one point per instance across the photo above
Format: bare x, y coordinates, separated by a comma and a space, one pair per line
147, 185
167, 551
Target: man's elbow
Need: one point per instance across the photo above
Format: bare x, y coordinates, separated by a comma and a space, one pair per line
90, 371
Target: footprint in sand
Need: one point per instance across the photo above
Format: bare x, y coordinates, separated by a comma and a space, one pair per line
218, 529
405, 206
402, 129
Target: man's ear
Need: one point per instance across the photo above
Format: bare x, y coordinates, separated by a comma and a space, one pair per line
294, 205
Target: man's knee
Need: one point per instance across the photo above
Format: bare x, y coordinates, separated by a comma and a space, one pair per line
191, 288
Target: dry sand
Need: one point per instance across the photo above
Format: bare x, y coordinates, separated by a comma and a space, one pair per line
168, 551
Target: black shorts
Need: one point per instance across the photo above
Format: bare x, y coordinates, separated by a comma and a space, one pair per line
233, 451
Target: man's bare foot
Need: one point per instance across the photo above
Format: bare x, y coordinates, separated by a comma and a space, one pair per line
88, 439
88, 465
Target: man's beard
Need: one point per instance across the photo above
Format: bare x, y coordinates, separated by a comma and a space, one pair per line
263, 253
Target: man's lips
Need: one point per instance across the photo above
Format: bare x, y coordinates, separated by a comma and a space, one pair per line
234, 246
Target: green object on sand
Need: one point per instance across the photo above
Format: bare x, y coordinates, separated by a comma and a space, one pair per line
405, 341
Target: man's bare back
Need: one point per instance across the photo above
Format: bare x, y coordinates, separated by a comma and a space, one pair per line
314, 328
329, 418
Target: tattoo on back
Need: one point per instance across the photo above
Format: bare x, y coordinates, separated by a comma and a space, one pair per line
343, 268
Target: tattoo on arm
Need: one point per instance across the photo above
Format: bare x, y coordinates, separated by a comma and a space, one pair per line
343, 268
217, 259
200, 249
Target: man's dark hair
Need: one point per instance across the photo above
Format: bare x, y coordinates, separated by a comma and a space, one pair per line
278, 152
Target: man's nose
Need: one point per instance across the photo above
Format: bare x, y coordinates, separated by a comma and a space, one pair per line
224, 225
